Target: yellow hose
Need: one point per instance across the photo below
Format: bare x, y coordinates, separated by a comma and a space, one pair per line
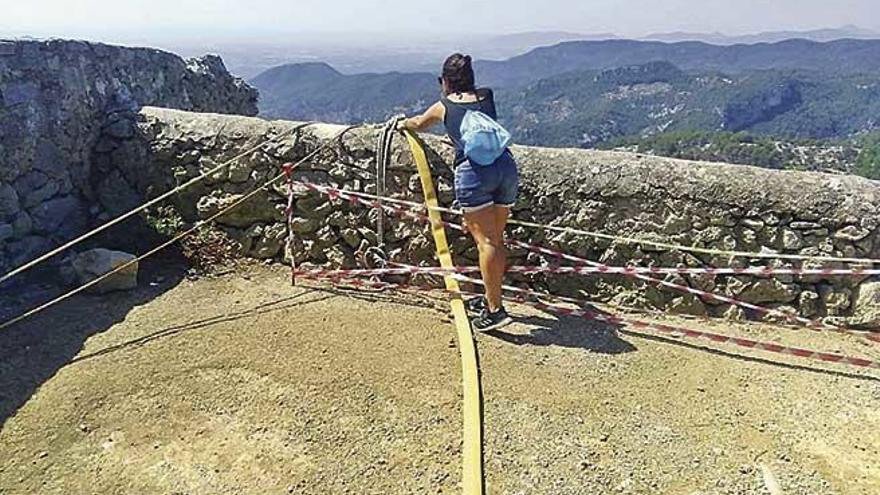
472, 450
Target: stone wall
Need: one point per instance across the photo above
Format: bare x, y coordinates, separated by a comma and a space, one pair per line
729, 207
55, 98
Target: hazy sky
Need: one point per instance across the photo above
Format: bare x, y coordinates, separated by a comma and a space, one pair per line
97, 19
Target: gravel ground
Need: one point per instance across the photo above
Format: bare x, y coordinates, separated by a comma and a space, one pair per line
242, 384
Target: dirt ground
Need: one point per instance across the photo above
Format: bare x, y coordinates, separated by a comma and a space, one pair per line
242, 384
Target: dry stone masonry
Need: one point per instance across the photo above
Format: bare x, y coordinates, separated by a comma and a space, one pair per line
729, 207
80, 144
56, 98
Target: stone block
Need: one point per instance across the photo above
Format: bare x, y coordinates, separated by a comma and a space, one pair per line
9, 203
837, 302
270, 241
852, 233
23, 224
734, 313
688, 305
93, 264
44, 193
866, 309
792, 240
27, 248
116, 195
6, 231
304, 226
769, 291
255, 209
51, 216
809, 304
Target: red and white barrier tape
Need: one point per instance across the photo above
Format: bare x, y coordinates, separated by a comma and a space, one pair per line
602, 269
403, 270
628, 240
705, 295
756, 271
635, 324
361, 282
871, 336
379, 272
288, 213
714, 337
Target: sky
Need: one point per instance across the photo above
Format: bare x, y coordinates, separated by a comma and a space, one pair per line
121, 20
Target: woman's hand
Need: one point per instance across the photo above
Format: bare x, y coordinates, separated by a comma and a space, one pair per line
431, 117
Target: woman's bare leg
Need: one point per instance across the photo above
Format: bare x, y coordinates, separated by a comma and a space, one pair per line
482, 226
502, 213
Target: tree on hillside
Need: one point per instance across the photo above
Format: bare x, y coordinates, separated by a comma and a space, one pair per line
868, 164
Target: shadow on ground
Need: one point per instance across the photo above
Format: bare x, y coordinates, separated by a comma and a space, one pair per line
32, 351
282, 304
565, 331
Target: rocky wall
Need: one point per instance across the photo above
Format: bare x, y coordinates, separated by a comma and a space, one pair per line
56, 97
729, 207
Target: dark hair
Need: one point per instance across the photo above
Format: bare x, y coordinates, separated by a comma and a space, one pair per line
459, 74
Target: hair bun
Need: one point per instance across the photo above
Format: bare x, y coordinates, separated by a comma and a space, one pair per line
467, 59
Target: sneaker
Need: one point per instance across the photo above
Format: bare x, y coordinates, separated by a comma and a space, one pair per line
476, 305
491, 321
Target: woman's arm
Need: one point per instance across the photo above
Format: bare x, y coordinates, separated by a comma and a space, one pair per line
425, 121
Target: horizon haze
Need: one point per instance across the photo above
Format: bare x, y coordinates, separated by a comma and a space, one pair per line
349, 21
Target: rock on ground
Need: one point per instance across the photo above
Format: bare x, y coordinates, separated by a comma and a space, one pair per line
93, 264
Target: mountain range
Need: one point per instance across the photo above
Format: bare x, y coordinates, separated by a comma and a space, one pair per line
584, 93
828, 34
317, 91
834, 57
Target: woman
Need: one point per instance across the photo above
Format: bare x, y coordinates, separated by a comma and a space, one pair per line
485, 193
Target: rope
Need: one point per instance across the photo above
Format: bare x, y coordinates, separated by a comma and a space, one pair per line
173, 240
139, 209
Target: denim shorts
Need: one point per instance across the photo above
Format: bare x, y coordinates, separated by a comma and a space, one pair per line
478, 186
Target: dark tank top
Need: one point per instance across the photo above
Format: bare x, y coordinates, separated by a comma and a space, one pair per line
456, 111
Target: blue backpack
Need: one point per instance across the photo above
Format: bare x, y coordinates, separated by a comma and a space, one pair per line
484, 139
